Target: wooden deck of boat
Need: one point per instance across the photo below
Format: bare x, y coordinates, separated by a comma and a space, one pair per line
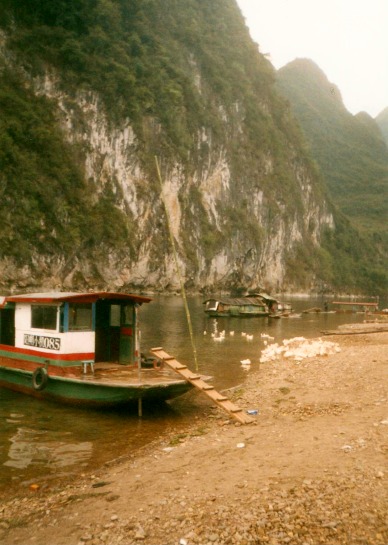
110, 373
115, 374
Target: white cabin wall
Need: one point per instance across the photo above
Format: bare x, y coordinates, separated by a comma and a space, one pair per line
77, 342
22, 317
74, 342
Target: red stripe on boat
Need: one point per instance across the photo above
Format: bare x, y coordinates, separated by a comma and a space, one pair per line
48, 355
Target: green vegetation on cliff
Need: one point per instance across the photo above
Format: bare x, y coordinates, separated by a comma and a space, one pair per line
134, 54
45, 203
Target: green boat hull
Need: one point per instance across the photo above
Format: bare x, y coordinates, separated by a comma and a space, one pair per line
89, 392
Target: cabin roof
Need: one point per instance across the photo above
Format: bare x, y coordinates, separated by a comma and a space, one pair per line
267, 297
264, 296
239, 301
74, 297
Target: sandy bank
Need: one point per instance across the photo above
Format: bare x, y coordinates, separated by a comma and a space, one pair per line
310, 470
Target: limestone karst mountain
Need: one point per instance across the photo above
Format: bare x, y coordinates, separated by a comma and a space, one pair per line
92, 91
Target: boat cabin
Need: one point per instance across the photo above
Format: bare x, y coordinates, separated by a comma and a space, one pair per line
270, 301
67, 329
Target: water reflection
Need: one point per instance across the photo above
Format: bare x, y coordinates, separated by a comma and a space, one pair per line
29, 446
41, 440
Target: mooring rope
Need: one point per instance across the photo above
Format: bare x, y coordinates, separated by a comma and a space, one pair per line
188, 317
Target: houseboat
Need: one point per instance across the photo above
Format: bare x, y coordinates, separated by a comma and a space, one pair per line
276, 309
80, 348
241, 307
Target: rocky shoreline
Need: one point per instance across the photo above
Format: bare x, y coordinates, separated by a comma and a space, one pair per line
311, 469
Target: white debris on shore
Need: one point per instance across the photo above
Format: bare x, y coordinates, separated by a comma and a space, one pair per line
246, 362
299, 348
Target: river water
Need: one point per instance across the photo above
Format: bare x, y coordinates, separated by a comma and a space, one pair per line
41, 441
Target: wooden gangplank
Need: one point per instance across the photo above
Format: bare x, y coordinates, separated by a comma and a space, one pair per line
196, 380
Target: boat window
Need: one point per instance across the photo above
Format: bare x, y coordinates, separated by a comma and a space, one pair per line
127, 315
62, 318
115, 311
211, 305
80, 317
43, 317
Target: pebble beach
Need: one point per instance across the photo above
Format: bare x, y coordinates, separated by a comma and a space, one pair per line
310, 469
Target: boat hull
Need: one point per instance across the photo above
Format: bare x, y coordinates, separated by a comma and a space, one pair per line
90, 391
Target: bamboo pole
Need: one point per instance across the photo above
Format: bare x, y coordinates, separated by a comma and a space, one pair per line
183, 292
138, 360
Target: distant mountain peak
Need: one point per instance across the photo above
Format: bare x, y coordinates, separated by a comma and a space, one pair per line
383, 114
312, 77
349, 149
370, 124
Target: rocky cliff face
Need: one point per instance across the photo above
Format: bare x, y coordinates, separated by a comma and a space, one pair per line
240, 202
241, 258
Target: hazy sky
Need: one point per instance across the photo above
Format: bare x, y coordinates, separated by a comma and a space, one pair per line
347, 39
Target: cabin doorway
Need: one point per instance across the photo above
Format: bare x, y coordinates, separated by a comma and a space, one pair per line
115, 340
7, 326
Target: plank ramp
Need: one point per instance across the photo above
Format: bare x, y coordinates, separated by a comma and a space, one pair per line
209, 390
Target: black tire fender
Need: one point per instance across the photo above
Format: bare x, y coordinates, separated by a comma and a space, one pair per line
39, 378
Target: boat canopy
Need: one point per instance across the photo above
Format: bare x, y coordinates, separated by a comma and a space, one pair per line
72, 297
